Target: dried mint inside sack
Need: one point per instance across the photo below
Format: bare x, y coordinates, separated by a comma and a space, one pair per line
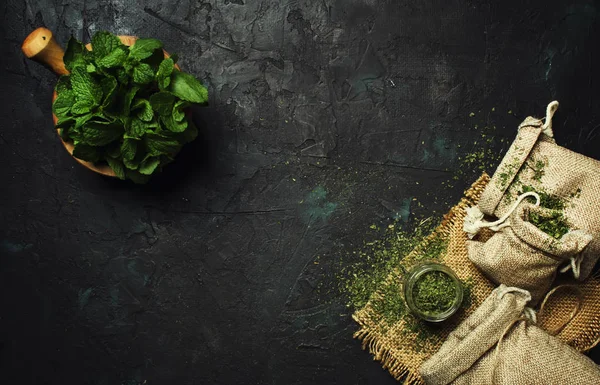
125, 106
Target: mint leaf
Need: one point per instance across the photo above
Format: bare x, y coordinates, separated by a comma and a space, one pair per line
145, 112
103, 43
84, 87
63, 103
132, 164
117, 166
65, 122
173, 125
143, 48
148, 166
86, 152
129, 148
179, 110
138, 128
100, 133
187, 87
109, 88
115, 58
81, 120
73, 56
143, 73
81, 108
158, 145
162, 102
163, 76
63, 84
122, 76
128, 98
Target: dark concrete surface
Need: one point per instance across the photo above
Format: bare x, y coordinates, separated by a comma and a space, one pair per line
326, 116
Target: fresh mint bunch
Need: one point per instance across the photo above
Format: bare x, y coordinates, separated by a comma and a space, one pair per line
125, 105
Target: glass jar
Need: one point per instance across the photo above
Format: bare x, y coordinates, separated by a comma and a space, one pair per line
412, 296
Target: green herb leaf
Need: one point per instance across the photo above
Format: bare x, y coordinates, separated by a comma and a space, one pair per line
128, 98
144, 48
173, 125
82, 107
86, 152
100, 133
73, 56
117, 166
115, 58
109, 88
158, 145
81, 120
104, 43
63, 103
148, 166
84, 87
63, 84
129, 148
143, 73
132, 164
162, 102
179, 110
163, 76
145, 112
187, 87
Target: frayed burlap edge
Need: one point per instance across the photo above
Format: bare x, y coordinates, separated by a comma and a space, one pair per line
399, 358
581, 332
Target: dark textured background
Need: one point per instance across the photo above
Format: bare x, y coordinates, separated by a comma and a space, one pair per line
326, 116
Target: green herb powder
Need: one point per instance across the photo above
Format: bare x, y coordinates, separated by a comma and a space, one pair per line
434, 292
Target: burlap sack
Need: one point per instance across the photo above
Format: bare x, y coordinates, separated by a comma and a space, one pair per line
535, 161
524, 256
526, 354
398, 350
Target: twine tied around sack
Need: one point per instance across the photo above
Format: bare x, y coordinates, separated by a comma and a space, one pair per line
575, 265
474, 220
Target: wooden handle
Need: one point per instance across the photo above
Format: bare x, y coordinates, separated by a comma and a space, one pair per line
41, 46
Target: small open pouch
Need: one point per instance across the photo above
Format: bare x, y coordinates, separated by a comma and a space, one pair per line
522, 255
534, 162
525, 355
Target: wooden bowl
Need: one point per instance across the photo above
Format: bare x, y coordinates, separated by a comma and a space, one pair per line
41, 47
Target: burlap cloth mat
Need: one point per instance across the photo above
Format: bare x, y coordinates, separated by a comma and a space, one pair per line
398, 349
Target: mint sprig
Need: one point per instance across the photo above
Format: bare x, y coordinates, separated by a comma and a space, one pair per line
125, 106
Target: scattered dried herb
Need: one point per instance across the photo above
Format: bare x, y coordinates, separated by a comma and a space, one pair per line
372, 264
434, 292
538, 170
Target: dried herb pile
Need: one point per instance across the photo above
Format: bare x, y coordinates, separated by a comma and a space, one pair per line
434, 292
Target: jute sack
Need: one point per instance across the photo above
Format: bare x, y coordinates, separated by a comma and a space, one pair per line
523, 353
522, 255
534, 162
